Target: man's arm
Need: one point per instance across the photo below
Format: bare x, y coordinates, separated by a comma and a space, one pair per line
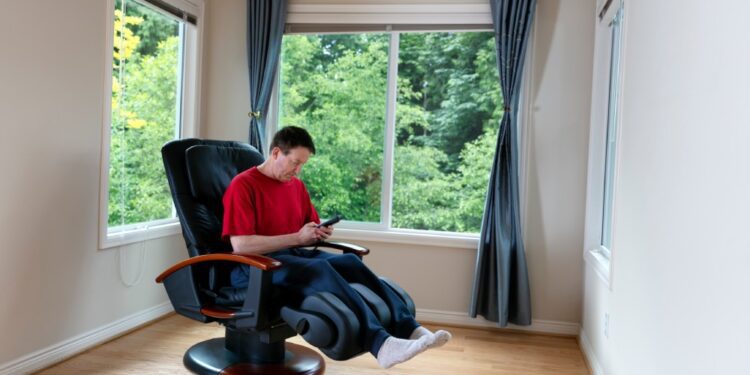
257, 244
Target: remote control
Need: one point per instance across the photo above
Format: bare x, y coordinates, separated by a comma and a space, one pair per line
330, 221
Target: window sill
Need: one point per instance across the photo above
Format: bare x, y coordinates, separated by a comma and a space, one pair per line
134, 235
597, 259
452, 240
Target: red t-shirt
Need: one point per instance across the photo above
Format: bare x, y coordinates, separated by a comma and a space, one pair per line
257, 204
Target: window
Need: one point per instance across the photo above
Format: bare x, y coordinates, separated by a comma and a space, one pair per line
335, 87
151, 96
611, 133
603, 138
404, 125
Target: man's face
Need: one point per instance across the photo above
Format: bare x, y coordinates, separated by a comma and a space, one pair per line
290, 164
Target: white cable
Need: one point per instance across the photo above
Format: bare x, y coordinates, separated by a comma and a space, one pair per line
123, 152
141, 263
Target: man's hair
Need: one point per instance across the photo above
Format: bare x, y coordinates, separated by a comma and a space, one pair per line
290, 137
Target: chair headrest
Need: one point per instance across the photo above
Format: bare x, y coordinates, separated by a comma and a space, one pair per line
211, 168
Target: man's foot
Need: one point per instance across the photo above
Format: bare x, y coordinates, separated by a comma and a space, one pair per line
395, 350
436, 339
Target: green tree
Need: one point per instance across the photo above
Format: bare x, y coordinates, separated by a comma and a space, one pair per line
423, 196
448, 108
336, 89
144, 103
476, 162
455, 74
151, 29
451, 83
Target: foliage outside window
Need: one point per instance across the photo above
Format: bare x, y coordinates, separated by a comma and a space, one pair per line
146, 97
334, 86
448, 107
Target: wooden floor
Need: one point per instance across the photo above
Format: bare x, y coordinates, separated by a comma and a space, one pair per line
158, 349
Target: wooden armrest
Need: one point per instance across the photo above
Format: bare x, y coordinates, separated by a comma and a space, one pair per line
218, 312
345, 247
258, 261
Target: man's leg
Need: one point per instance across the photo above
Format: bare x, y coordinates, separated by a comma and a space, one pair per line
351, 268
305, 276
403, 323
302, 275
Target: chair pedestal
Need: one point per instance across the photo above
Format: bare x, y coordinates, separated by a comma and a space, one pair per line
211, 357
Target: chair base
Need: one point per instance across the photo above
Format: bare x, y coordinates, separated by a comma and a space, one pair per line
211, 358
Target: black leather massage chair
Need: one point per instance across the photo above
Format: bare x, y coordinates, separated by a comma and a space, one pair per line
257, 319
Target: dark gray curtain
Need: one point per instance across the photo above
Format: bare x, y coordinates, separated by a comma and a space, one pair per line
501, 282
265, 28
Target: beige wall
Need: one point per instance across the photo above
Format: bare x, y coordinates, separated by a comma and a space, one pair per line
226, 95
58, 285
55, 283
558, 149
440, 278
679, 295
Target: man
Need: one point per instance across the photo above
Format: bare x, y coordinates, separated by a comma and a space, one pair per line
267, 210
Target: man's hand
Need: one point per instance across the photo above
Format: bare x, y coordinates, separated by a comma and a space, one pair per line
324, 232
256, 244
310, 233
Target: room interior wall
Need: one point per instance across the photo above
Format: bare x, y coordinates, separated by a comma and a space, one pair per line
556, 158
680, 247
558, 131
56, 283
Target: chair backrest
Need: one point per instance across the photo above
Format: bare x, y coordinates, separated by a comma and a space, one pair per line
199, 171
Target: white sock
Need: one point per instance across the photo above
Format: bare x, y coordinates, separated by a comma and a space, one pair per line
436, 339
419, 332
395, 350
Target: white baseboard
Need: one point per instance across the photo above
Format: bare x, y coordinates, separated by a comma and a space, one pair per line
70, 347
588, 352
463, 319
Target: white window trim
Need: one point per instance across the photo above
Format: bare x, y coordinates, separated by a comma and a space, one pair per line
596, 256
191, 83
407, 236
389, 148
415, 13
382, 232
599, 259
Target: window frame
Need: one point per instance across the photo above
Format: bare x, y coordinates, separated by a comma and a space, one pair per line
190, 49
606, 119
383, 231
611, 134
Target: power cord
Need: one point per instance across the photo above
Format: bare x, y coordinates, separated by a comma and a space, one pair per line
141, 263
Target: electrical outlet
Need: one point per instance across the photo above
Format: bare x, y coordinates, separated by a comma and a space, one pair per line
606, 325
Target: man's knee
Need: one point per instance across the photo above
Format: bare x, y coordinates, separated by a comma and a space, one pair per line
320, 266
323, 276
349, 257
349, 264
